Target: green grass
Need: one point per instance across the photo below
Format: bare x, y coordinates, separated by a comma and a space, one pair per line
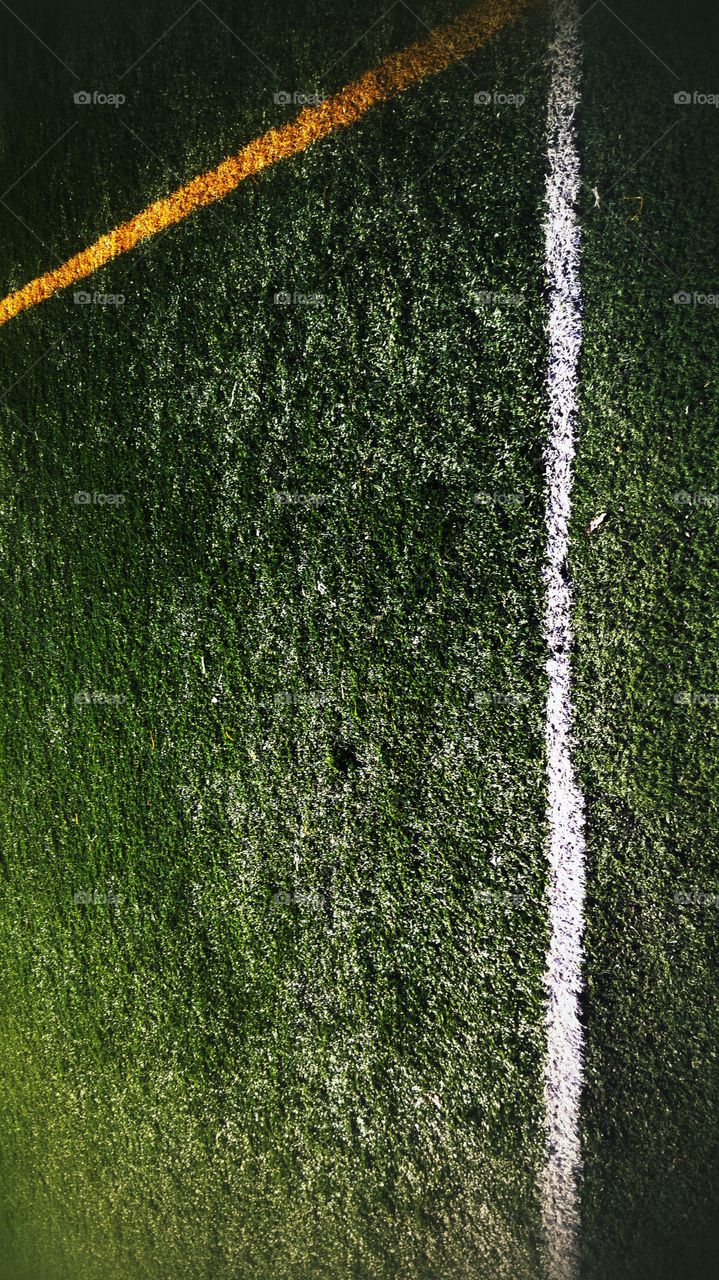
647, 631
345, 691
306, 1041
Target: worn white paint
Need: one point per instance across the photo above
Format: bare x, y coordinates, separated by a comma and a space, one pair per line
565, 1040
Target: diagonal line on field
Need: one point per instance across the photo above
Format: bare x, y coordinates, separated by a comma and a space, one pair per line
444, 47
426, 26
129, 268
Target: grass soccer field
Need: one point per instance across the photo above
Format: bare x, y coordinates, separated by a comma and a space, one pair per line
275, 704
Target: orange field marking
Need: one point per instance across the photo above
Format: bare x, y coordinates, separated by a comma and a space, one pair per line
442, 47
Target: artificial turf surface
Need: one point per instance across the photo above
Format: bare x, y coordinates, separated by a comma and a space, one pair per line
299, 1034
648, 643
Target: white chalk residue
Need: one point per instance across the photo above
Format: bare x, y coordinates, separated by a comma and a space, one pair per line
565, 1041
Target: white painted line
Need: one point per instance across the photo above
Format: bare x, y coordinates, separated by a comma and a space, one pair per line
565, 1040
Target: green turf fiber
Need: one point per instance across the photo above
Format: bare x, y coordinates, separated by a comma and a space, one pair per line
648, 637
301, 1036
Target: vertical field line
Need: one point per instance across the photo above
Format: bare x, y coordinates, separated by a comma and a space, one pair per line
564, 1073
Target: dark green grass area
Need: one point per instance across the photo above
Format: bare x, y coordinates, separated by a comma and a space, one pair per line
648, 645
272, 923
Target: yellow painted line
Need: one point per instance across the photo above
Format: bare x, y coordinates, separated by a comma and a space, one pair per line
442, 47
